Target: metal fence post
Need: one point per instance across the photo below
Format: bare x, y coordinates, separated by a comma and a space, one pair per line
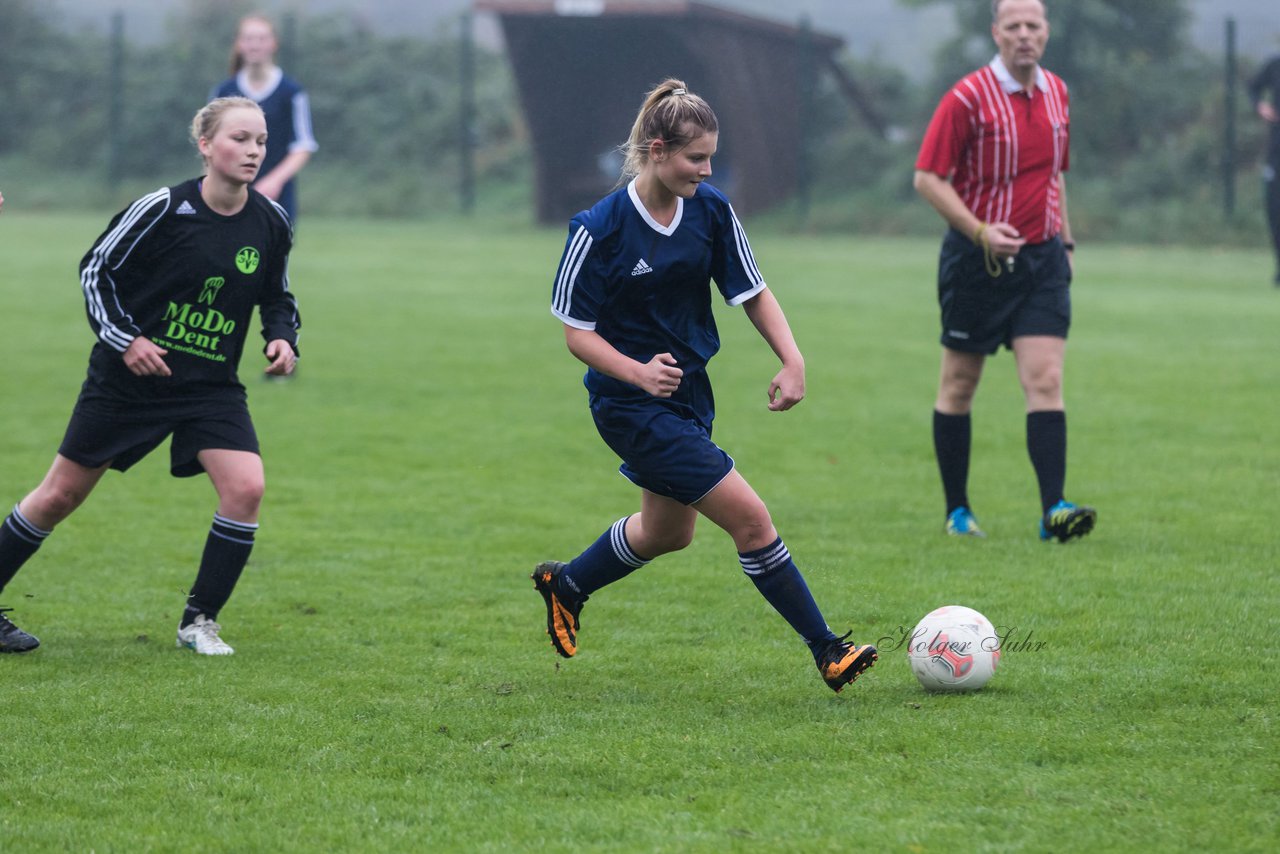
1229, 127
466, 115
115, 101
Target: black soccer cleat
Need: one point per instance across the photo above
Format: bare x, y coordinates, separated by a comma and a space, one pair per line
1065, 520
12, 638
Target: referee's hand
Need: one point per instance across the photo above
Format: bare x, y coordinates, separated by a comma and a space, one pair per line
1004, 239
144, 358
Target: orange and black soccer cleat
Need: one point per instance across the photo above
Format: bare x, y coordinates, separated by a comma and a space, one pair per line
842, 662
562, 618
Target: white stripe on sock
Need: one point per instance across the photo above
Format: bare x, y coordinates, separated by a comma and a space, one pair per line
618, 539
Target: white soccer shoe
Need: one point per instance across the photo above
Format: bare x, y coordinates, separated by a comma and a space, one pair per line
202, 636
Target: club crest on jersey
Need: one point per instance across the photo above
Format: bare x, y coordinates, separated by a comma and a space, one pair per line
247, 260
641, 268
209, 292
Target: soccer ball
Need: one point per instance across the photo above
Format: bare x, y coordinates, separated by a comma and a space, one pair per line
954, 648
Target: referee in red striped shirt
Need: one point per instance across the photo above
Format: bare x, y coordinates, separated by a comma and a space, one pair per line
991, 164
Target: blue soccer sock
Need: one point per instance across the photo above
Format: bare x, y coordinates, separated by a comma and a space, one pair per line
778, 579
19, 540
605, 561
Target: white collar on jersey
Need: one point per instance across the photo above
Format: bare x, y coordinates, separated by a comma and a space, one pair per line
665, 230
1009, 84
274, 76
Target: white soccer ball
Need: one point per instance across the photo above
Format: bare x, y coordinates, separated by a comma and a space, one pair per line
954, 648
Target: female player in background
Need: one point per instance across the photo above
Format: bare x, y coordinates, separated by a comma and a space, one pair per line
170, 288
633, 292
254, 74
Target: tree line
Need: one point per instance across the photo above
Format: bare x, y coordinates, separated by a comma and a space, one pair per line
1147, 122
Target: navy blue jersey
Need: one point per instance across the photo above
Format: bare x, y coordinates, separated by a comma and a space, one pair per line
171, 269
646, 288
288, 112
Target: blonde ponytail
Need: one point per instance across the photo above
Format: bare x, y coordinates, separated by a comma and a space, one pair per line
670, 113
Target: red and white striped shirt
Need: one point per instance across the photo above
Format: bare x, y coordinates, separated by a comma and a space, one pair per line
1003, 148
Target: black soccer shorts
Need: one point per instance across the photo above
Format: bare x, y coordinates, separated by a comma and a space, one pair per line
980, 312
102, 432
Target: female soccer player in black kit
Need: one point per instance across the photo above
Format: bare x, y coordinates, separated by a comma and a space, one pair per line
170, 289
1268, 80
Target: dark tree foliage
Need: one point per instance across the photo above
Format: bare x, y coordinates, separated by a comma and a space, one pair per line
1132, 74
1147, 110
50, 86
386, 109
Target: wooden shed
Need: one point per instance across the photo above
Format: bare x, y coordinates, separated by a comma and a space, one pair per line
582, 68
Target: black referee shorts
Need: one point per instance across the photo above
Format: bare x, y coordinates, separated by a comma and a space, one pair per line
980, 311
122, 434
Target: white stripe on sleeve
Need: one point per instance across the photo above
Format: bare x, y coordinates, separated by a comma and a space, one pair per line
747, 260
95, 280
574, 257
303, 137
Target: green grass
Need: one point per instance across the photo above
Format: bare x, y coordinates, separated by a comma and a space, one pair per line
393, 691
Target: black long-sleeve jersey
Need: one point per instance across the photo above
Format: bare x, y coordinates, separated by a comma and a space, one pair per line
1268, 80
171, 269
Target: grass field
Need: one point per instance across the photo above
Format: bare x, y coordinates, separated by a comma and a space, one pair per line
392, 688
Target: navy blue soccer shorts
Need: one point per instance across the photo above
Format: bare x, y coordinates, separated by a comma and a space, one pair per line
980, 312
665, 446
121, 434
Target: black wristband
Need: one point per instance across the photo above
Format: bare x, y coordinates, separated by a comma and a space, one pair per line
1069, 245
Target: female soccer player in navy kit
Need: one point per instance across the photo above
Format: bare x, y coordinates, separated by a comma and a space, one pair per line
284, 102
170, 289
633, 292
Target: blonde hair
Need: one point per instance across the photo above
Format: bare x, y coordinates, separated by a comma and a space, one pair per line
237, 61
670, 113
209, 117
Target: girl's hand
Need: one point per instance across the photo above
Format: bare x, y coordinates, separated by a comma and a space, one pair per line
660, 376
282, 358
144, 358
787, 388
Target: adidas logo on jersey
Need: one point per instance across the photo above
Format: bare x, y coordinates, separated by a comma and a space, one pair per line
641, 268
185, 208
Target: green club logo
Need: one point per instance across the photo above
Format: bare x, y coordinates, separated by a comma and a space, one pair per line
247, 260
211, 287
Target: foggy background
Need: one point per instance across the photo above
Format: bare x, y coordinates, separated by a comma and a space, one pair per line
1161, 149
873, 29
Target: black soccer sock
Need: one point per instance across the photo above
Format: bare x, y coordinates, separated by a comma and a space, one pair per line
226, 551
1047, 446
605, 561
952, 437
1273, 211
19, 540
778, 579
